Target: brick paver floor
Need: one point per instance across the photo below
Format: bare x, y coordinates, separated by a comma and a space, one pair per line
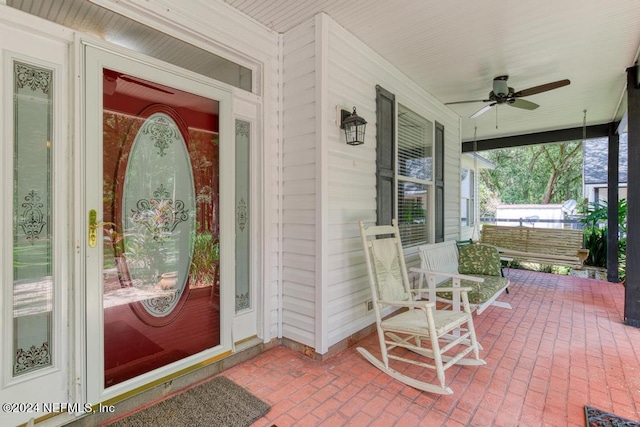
563, 346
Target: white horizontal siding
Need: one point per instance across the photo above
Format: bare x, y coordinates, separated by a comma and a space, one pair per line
354, 70
300, 231
272, 131
299, 203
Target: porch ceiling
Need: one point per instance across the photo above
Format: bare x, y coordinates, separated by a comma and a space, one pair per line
454, 49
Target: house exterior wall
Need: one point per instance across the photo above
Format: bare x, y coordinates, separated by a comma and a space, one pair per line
597, 193
299, 193
353, 71
314, 187
595, 167
328, 186
471, 231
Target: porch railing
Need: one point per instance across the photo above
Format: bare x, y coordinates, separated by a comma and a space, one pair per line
570, 223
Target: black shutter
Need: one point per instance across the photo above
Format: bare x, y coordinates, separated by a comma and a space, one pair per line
438, 181
385, 161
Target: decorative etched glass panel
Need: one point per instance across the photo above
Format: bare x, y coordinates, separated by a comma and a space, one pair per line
32, 219
159, 214
243, 289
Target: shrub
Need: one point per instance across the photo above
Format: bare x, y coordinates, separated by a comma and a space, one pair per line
595, 234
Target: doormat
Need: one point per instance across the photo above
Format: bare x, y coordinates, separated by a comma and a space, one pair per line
219, 402
599, 418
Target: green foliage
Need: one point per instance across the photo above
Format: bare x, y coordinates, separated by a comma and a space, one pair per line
595, 234
206, 254
547, 173
413, 214
595, 239
596, 215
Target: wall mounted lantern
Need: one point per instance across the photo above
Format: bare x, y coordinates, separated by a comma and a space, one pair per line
354, 127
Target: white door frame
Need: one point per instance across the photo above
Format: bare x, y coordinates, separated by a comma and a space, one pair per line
42, 45
95, 54
247, 323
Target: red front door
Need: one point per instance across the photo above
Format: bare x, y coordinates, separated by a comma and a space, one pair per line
161, 296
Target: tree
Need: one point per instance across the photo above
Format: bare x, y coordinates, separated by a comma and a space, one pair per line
561, 161
545, 173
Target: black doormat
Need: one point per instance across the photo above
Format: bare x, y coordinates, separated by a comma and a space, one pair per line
599, 418
219, 402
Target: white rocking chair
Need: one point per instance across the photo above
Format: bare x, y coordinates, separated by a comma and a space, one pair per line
420, 327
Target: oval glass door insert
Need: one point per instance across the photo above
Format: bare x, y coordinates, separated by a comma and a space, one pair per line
158, 214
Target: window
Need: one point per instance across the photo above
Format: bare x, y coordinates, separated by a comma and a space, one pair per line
123, 31
467, 208
414, 176
409, 171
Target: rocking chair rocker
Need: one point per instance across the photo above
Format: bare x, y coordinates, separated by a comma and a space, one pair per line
438, 335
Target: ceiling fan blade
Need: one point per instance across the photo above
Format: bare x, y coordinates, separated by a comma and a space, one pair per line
482, 110
542, 88
522, 103
466, 102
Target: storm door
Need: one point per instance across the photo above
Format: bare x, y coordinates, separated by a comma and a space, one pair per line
154, 219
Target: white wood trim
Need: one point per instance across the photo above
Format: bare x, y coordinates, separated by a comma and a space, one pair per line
79, 326
35, 47
98, 54
280, 178
322, 186
248, 322
34, 25
199, 23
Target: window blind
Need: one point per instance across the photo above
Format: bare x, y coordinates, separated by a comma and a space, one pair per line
414, 174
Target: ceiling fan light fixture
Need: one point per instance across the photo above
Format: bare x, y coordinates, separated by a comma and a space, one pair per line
500, 86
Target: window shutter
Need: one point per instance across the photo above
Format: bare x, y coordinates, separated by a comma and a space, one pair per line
385, 131
438, 182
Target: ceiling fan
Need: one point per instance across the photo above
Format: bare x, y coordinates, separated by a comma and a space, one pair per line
503, 94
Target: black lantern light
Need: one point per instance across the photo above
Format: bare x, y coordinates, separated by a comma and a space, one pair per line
353, 126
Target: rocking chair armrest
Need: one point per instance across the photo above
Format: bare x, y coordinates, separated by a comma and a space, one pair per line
444, 274
408, 304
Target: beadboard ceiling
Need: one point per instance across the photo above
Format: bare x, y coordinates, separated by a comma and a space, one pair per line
455, 48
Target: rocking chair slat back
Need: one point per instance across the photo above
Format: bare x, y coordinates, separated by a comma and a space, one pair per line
391, 285
415, 326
